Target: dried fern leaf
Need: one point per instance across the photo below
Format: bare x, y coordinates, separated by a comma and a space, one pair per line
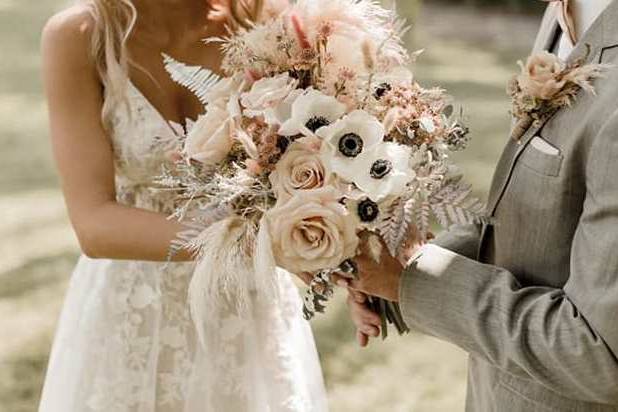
195, 78
394, 228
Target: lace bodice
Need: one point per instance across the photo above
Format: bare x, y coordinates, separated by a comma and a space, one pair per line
143, 143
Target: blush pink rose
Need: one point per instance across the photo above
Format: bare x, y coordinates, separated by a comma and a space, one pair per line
300, 168
312, 231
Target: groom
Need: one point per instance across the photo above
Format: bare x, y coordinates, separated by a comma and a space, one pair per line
532, 294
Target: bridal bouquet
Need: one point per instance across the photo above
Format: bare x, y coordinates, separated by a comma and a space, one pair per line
317, 134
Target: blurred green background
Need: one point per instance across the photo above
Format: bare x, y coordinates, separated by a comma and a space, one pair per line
471, 50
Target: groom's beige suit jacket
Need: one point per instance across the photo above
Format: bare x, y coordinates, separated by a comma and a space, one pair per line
532, 294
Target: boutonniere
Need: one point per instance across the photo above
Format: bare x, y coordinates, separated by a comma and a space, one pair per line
545, 85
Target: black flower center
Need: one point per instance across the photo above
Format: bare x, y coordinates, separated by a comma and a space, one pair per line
368, 211
351, 145
381, 90
380, 168
316, 122
349, 266
283, 143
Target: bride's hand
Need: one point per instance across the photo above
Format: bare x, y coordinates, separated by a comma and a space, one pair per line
306, 277
366, 321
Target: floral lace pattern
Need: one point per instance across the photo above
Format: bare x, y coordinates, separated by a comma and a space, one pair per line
126, 341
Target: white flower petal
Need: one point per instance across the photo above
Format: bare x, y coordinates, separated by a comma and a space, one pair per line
312, 104
427, 124
364, 126
395, 182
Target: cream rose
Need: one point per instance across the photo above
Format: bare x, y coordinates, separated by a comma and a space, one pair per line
312, 231
224, 90
541, 76
299, 169
210, 139
267, 93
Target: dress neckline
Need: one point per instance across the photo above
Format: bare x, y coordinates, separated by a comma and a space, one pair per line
172, 125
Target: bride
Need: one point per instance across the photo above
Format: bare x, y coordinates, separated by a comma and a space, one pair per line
125, 341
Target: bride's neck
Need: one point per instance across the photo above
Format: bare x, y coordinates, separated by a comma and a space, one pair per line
171, 18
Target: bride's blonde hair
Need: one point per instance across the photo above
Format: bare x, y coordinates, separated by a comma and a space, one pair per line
114, 21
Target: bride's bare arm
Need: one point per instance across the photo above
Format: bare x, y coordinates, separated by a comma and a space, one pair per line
83, 151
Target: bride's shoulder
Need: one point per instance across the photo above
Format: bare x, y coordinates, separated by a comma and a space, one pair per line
67, 35
70, 29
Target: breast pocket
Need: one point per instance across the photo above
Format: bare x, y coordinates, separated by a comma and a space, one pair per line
542, 157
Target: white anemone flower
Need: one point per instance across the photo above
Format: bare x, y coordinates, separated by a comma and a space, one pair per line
383, 172
312, 111
347, 140
367, 213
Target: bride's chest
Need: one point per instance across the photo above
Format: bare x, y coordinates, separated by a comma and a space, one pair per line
143, 141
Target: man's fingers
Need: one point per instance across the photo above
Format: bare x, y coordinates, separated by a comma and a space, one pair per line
356, 286
306, 277
362, 315
358, 297
340, 280
372, 331
371, 317
363, 340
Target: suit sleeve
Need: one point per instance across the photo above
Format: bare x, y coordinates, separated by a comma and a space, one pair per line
566, 339
461, 239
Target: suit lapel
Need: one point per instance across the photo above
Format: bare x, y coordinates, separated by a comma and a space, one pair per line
549, 30
589, 48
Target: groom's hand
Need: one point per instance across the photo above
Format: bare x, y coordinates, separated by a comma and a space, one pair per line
382, 278
379, 279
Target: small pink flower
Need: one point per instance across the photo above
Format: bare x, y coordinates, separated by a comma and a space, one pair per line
326, 29
346, 74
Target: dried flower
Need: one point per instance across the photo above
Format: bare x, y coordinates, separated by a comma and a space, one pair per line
458, 137
301, 34
542, 76
253, 166
369, 55
346, 74
325, 30
546, 84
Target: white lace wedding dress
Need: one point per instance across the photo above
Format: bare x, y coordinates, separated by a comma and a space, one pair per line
126, 342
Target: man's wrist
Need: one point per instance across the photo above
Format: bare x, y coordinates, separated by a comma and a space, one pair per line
407, 271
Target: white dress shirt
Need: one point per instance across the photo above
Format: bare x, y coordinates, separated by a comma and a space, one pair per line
585, 12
